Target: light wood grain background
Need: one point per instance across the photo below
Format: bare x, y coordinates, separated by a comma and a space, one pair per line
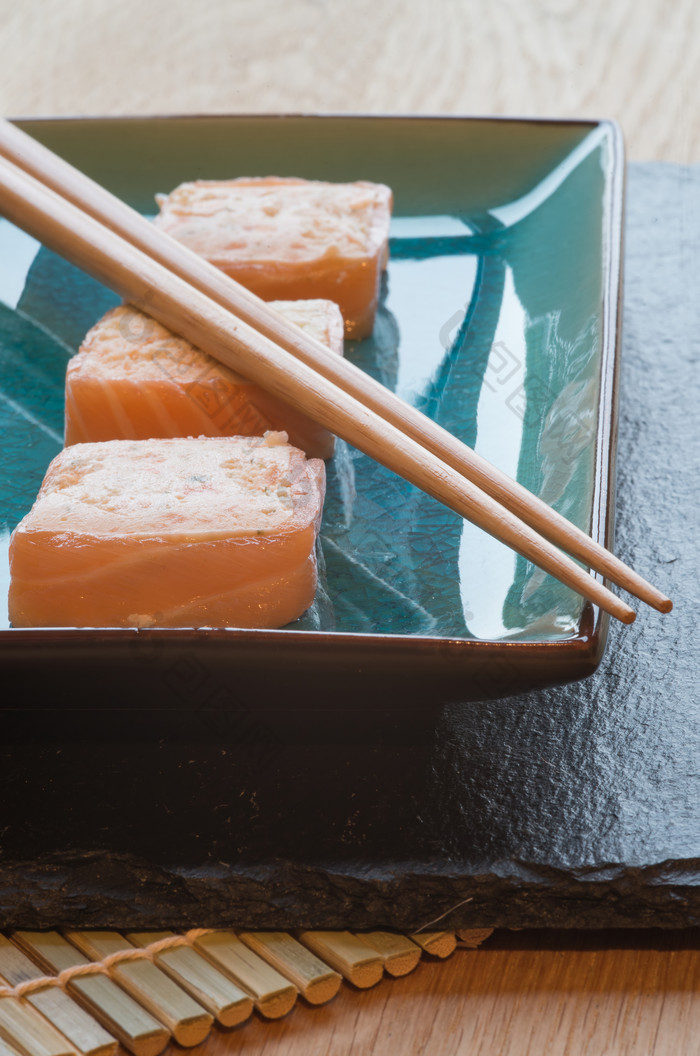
634, 60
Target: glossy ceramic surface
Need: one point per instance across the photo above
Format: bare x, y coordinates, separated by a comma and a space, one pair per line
498, 318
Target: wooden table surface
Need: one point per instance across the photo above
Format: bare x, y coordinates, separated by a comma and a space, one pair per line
634, 61
541, 994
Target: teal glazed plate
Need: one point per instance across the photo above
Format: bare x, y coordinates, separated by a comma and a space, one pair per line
499, 318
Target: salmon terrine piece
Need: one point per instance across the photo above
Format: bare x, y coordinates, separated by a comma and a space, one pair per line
170, 533
133, 379
288, 239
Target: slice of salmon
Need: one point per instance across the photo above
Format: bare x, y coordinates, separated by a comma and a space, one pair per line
289, 238
132, 380
179, 532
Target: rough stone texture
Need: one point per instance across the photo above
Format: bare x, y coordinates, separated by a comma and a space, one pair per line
570, 807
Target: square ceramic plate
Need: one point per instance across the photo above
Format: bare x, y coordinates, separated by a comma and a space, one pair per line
499, 318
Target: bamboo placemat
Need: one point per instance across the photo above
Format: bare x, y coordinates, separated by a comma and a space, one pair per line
82, 993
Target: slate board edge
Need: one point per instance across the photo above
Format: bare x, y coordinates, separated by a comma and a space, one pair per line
123, 892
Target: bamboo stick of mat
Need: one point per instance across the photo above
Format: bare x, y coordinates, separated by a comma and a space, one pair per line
183, 309
55, 1004
198, 976
188, 1022
400, 955
315, 980
132, 1025
6, 1049
354, 959
27, 1030
273, 995
437, 943
96, 201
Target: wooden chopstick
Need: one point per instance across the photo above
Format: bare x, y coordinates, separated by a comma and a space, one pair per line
183, 308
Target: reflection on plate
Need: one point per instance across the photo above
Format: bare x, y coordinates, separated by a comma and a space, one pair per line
498, 319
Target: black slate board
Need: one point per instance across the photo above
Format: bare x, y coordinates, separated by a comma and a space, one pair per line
573, 807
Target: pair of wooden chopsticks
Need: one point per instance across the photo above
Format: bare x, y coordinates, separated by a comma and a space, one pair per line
83, 222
